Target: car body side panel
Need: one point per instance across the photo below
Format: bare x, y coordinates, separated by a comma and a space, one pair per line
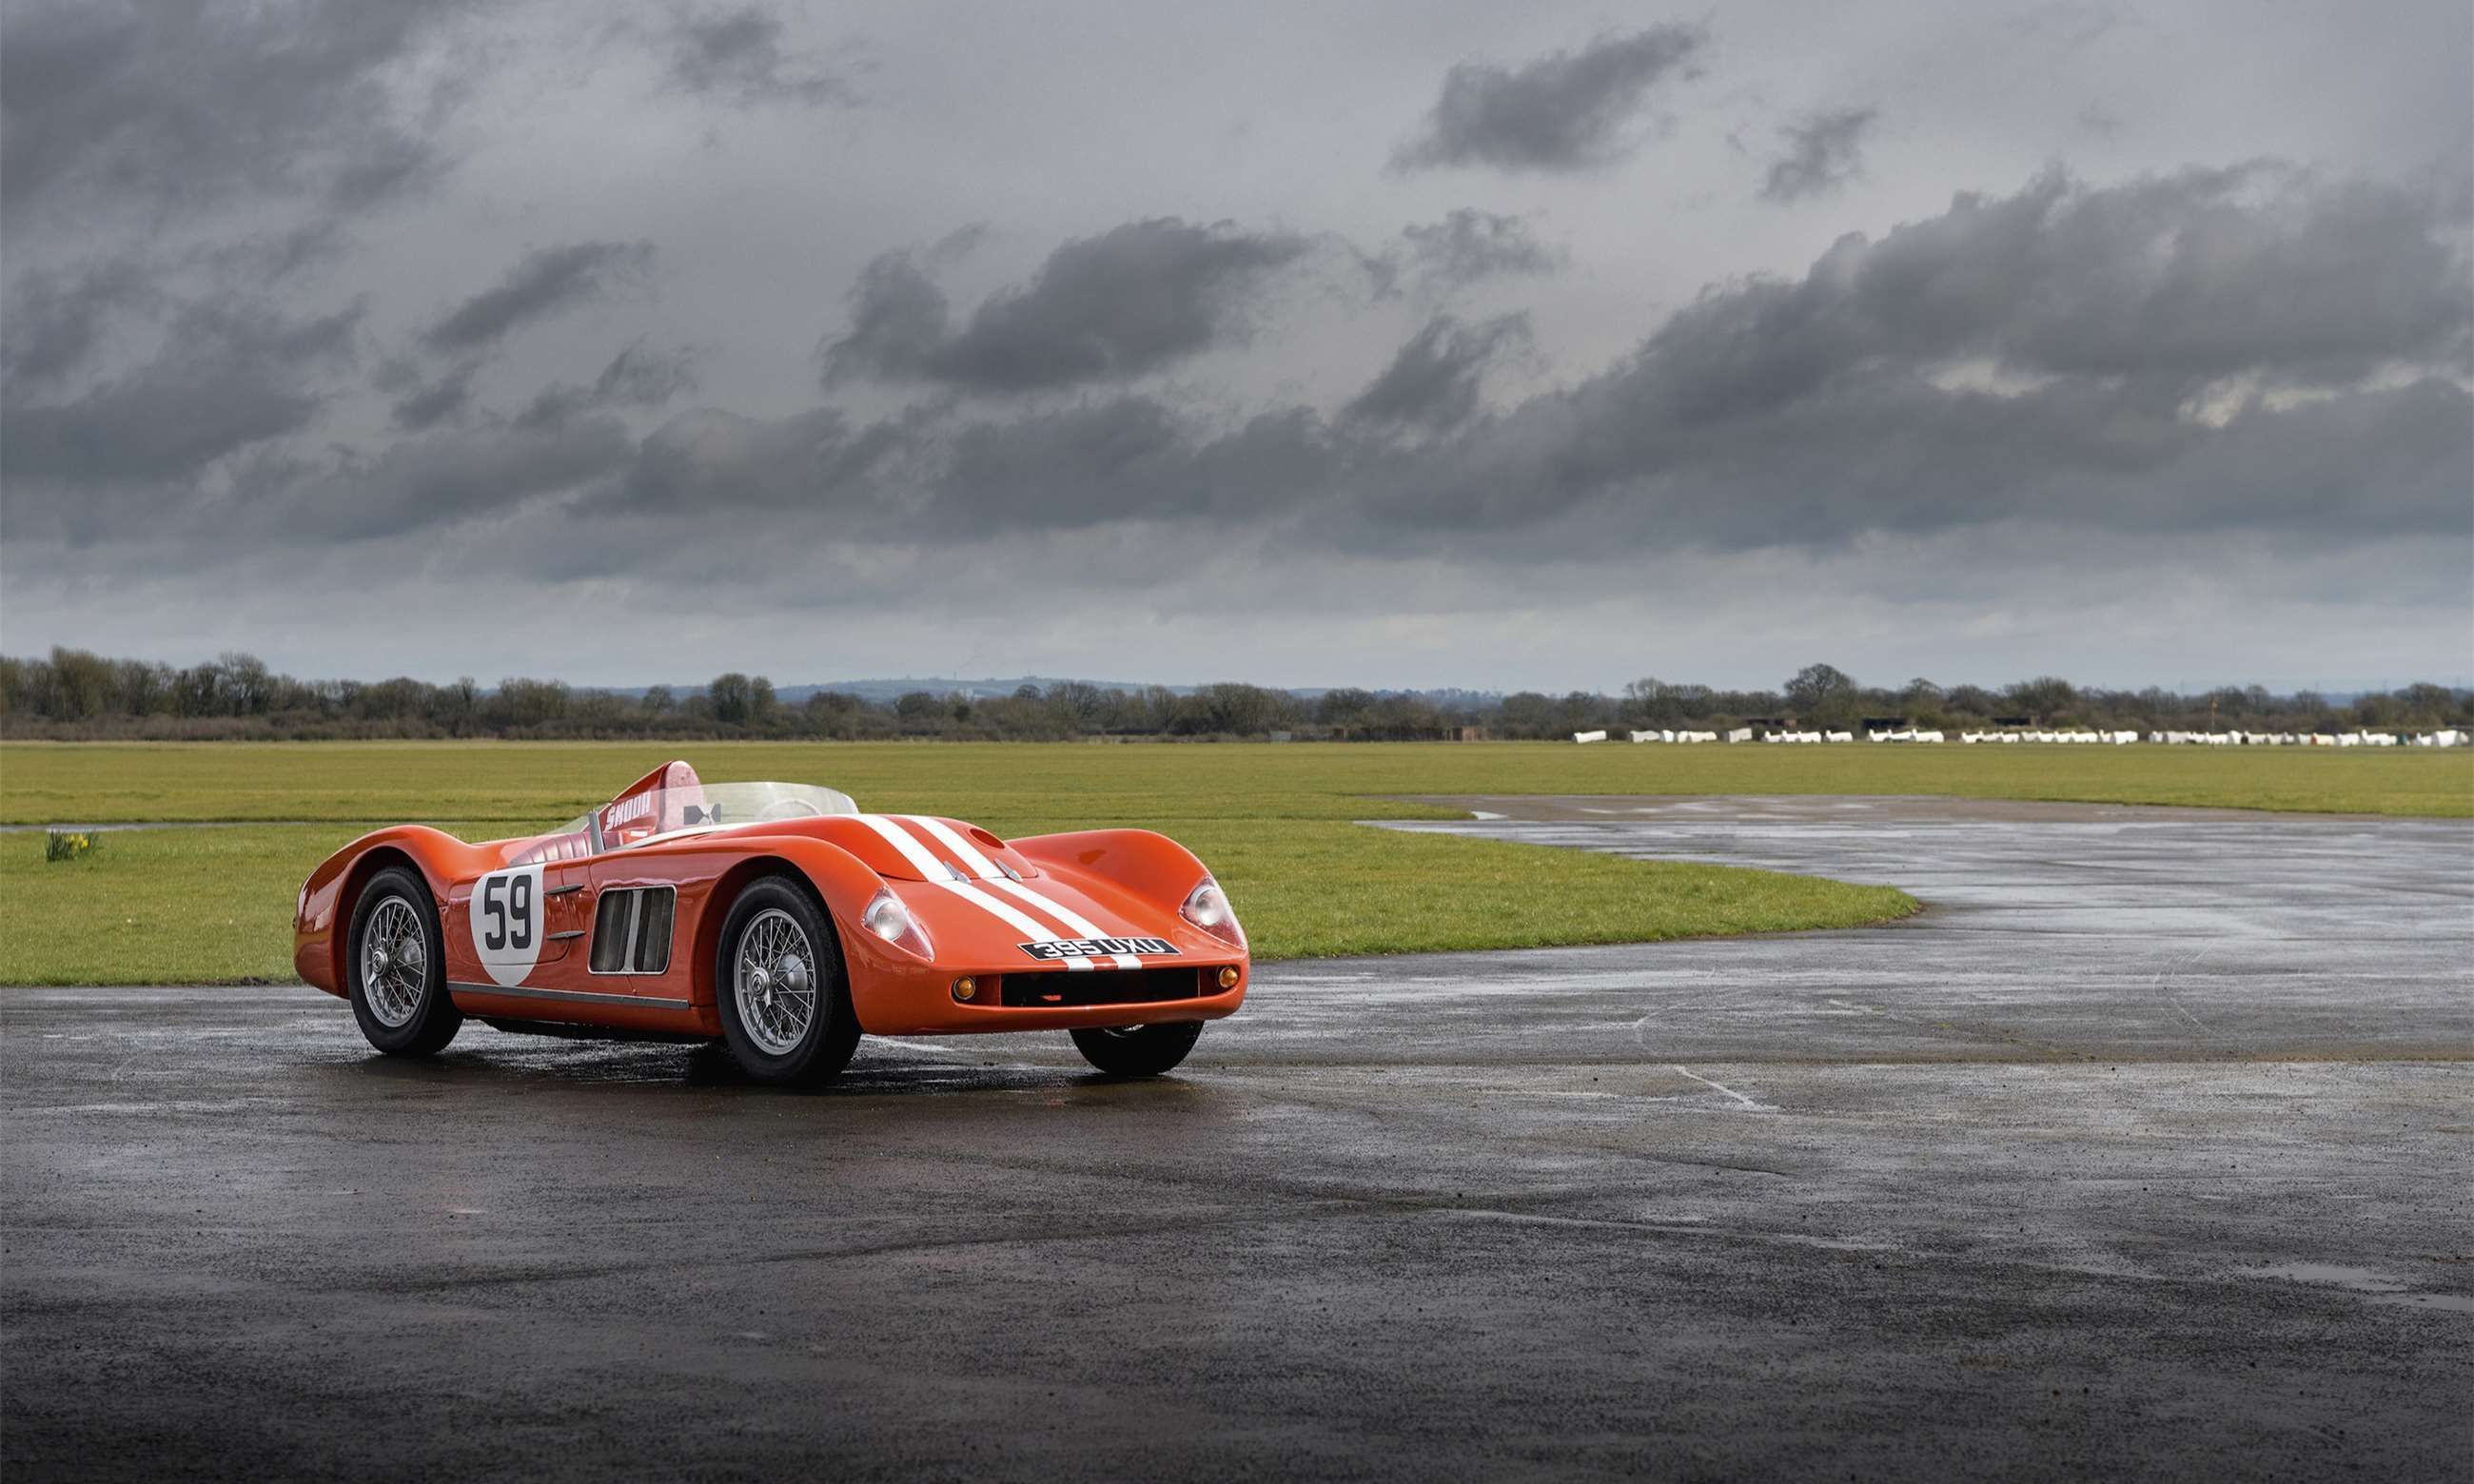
1124, 884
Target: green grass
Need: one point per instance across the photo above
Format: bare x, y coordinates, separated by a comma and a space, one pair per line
1076, 783
215, 905
154, 906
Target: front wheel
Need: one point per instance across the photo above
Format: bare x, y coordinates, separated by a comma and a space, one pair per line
1137, 1050
398, 967
785, 1002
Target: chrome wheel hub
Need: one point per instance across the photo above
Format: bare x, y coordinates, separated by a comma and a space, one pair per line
772, 984
394, 962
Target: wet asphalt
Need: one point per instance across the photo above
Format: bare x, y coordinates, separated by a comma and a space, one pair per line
2146, 1152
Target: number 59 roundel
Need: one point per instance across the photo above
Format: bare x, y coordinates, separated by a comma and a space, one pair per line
506, 915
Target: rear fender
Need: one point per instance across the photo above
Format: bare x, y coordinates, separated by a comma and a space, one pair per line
322, 915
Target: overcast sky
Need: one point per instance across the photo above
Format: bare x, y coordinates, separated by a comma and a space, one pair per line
1383, 343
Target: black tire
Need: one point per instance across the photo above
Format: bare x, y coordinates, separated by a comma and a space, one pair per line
823, 1048
1137, 1050
430, 1021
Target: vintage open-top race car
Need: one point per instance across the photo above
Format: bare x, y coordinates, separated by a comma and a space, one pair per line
779, 918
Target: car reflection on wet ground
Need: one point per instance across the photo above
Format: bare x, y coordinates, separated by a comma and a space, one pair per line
2143, 1152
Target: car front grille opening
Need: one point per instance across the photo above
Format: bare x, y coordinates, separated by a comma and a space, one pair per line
1100, 987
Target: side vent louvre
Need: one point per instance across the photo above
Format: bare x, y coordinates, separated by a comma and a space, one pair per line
631, 930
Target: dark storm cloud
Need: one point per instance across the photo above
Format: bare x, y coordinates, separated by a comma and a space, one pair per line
546, 283
54, 321
434, 401
738, 53
2201, 274
1564, 111
166, 105
2179, 354
1823, 153
1814, 410
1433, 382
227, 377
638, 376
1111, 308
437, 480
2041, 356
1466, 246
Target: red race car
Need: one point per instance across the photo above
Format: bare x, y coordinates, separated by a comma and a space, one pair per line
779, 918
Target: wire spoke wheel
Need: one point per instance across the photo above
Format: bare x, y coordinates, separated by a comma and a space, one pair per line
774, 981
394, 962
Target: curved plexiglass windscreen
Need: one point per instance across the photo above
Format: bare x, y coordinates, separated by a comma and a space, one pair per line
657, 813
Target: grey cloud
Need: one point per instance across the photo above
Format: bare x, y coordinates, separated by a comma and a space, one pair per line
435, 401
434, 481
738, 53
1841, 402
54, 321
1823, 153
228, 377
1433, 382
544, 283
2032, 358
1111, 307
180, 104
2199, 274
638, 376
1466, 246
1564, 112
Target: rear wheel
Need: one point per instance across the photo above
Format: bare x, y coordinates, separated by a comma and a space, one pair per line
1137, 1050
778, 981
398, 967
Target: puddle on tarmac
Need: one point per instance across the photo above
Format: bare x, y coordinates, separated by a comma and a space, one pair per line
2376, 1286
2359, 1280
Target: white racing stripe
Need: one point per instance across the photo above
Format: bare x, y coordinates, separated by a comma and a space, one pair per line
926, 863
989, 871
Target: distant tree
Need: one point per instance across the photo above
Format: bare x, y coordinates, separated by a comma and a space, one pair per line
657, 701
2426, 704
919, 706
530, 704
2047, 696
81, 684
1345, 706
1527, 714
1820, 691
1078, 705
728, 692
759, 700
246, 683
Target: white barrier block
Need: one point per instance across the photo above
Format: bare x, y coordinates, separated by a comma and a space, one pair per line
1588, 736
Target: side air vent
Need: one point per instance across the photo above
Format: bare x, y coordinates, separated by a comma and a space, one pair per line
631, 931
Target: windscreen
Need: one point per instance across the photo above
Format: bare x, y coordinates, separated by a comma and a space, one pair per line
660, 812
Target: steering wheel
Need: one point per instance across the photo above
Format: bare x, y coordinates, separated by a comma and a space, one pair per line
788, 809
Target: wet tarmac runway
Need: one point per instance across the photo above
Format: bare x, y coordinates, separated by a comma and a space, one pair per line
2146, 1151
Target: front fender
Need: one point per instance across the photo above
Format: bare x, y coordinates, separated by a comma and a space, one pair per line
1149, 866
842, 883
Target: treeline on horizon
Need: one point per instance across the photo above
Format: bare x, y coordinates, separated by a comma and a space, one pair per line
73, 695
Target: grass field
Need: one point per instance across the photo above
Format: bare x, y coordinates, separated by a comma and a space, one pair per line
212, 905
